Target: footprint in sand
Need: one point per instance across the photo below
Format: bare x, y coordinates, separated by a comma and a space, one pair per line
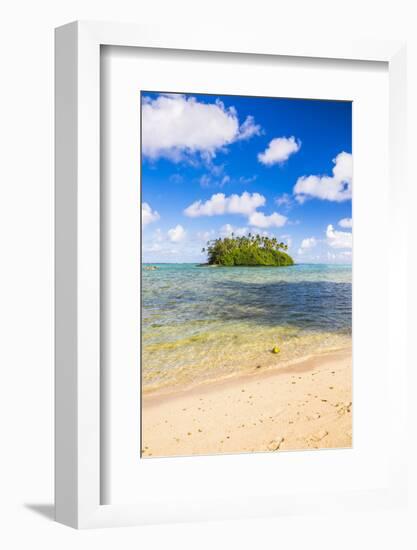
275, 444
319, 436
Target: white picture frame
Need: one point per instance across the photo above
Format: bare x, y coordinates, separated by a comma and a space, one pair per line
78, 405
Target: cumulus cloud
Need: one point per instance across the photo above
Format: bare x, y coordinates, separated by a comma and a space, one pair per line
227, 230
148, 215
177, 127
220, 204
338, 239
346, 223
205, 235
309, 242
259, 219
176, 234
337, 187
245, 204
279, 150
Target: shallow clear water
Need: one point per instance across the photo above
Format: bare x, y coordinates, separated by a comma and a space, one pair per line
201, 323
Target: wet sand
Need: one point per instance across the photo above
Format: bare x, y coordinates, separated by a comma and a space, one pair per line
307, 405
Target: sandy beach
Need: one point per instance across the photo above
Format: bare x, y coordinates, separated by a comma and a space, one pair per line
304, 405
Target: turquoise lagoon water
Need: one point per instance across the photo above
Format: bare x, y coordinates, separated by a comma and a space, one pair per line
203, 323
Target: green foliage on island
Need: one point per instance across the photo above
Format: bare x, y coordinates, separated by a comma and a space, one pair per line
253, 250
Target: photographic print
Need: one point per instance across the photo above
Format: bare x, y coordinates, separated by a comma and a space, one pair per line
246, 277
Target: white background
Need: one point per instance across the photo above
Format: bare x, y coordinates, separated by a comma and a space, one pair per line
26, 301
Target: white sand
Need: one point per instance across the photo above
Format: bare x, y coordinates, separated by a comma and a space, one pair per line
301, 406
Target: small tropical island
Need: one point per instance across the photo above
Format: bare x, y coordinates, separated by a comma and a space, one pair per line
250, 250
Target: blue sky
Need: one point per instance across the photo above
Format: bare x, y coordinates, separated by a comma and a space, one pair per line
216, 164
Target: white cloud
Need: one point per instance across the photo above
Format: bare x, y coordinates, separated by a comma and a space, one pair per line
248, 129
151, 247
158, 236
227, 230
306, 245
205, 235
287, 239
279, 150
176, 234
148, 215
206, 180
175, 245
336, 188
340, 257
338, 239
309, 242
218, 178
247, 180
284, 200
259, 219
176, 127
346, 223
245, 204
220, 204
